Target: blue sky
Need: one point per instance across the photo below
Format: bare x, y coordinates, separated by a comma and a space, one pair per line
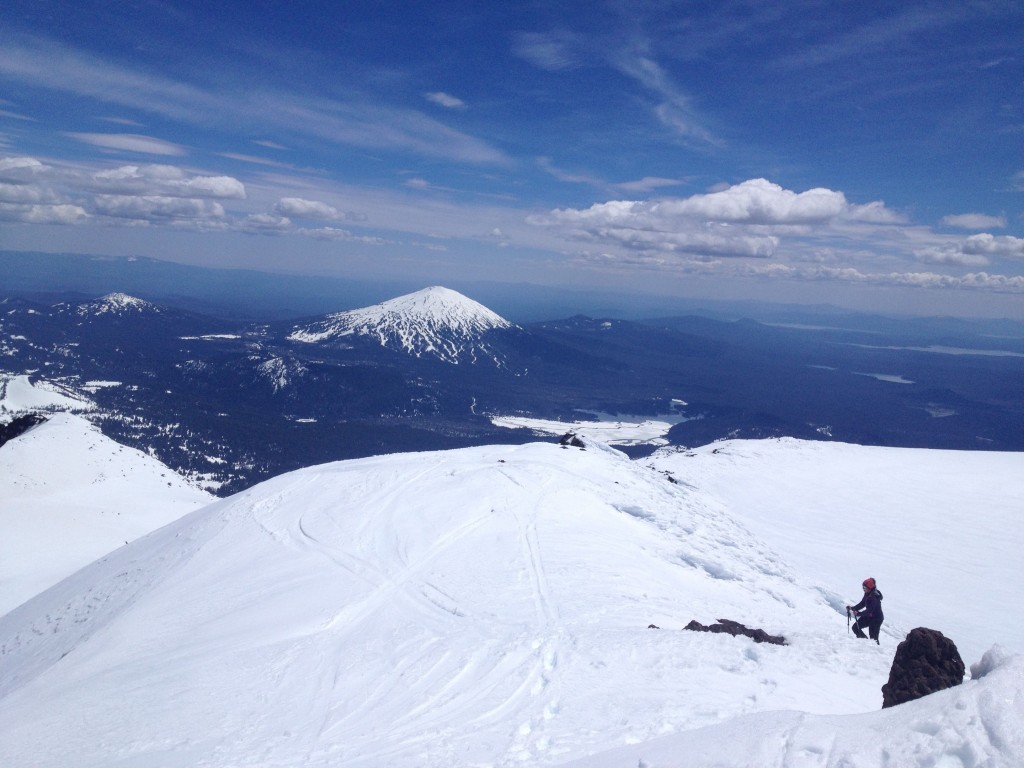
801, 151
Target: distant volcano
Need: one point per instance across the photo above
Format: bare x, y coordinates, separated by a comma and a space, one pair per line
436, 322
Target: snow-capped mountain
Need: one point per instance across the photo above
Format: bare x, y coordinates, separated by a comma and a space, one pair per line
490, 606
115, 305
435, 322
69, 495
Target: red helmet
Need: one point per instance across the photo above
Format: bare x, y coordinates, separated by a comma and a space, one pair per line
869, 583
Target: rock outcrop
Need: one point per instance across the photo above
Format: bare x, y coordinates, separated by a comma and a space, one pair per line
926, 661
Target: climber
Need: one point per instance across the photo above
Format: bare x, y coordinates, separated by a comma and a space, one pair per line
868, 611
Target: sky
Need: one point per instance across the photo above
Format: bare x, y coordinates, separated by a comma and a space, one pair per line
800, 152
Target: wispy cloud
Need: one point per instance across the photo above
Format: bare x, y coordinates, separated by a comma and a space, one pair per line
131, 142
551, 51
974, 221
445, 100
674, 108
355, 122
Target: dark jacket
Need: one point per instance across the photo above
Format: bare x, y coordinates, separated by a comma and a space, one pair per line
870, 608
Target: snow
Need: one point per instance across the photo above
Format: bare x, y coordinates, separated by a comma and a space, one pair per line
941, 531
650, 431
20, 395
116, 304
489, 607
69, 495
436, 322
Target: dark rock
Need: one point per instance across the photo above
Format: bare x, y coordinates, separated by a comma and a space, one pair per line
570, 438
926, 661
653, 626
19, 426
735, 629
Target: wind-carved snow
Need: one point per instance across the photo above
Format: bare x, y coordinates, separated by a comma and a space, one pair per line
436, 322
487, 606
116, 304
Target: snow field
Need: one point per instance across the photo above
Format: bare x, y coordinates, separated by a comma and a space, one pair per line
941, 531
483, 607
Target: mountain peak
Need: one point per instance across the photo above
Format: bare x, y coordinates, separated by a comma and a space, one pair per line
116, 304
433, 322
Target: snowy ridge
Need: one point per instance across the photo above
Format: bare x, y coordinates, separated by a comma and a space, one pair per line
102, 495
486, 606
436, 322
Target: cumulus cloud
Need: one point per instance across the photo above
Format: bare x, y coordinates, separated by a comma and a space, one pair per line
974, 251
974, 221
444, 99
265, 223
167, 180
744, 220
42, 214
307, 209
20, 169
992, 245
157, 208
131, 142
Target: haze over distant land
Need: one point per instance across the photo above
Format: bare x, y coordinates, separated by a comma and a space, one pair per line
862, 157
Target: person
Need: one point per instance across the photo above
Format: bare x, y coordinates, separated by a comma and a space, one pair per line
868, 611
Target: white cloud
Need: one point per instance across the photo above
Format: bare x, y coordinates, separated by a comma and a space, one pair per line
333, 233
157, 208
306, 209
648, 183
675, 109
1002, 245
25, 194
265, 223
42, 214
166, 180
20, 169
974, 221
745, 220
444, 100
353, 121
974, 251
131, 142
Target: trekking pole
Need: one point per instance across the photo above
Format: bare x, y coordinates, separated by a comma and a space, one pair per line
847, 621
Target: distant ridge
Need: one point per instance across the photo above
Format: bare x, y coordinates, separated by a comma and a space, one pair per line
435, 321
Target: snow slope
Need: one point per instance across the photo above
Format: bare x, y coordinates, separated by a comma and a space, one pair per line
69, 495
436, 321
483, 607
941, 531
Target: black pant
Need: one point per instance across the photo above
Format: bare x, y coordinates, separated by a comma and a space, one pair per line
872, 627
